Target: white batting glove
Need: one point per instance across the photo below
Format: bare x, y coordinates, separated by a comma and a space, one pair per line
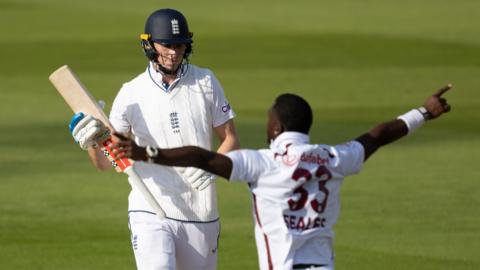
88, 131
198, 178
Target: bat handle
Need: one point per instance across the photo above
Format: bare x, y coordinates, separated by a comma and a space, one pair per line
126, 166
119, 164
137, 181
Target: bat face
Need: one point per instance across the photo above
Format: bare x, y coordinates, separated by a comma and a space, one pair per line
76, 95
81, 100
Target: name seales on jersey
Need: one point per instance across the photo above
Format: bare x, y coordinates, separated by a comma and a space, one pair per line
296, 184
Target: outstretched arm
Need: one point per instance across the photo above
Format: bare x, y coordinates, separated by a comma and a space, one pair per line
393, 130
188, 156
200, 179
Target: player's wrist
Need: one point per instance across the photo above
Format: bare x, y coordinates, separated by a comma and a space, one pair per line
413, 119
151, 153
426, 114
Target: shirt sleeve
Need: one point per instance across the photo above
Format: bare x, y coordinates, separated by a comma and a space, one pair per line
118, 113
222, 111
247, 165
350, 157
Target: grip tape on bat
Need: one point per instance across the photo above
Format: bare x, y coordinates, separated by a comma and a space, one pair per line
118, 164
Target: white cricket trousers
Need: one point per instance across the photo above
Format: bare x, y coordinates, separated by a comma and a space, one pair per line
173, 245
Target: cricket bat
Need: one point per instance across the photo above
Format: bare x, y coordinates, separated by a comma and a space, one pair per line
80, 100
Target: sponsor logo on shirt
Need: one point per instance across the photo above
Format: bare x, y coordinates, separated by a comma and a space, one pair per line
313, 158
287, 159
226, 108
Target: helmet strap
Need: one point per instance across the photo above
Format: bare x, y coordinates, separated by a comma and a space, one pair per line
152, 55
161, 69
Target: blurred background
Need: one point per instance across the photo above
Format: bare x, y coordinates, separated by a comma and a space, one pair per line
414, 206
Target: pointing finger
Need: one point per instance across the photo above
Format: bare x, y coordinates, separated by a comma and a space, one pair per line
442, 90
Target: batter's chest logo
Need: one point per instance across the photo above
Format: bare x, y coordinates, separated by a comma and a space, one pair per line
175, 122
175, 27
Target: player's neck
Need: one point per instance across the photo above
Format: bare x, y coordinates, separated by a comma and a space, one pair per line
169, 79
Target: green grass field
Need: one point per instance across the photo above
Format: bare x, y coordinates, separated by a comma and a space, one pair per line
415, 205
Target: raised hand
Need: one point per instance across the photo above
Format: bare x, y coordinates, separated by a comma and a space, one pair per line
436, 105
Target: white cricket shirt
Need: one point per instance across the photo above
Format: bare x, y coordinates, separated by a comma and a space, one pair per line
295, 187
185, 114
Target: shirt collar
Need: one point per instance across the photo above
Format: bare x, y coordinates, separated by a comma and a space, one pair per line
158, 76
289, 137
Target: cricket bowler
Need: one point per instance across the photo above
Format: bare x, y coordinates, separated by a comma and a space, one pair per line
294, 184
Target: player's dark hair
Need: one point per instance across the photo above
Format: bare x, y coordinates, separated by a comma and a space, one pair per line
294, 112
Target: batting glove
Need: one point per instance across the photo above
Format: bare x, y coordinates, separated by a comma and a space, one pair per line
87, 130
198, 178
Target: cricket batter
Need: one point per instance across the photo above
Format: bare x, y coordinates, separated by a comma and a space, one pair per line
172, 104
295, 185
